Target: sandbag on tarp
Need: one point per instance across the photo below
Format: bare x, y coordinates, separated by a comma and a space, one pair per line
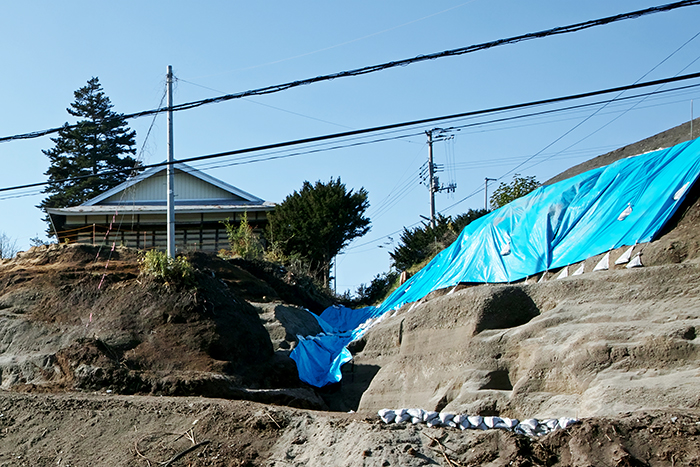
624, 203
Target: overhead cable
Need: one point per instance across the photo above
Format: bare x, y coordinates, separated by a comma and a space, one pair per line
384, 66
384, 128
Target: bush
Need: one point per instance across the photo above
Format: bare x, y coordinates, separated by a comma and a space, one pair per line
172, 271
377, 290
419, 245
243, 241
507, 192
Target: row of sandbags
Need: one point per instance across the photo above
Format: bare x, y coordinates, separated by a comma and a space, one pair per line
531, 427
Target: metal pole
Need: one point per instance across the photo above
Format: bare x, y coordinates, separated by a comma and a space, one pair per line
170, 170
691, 118
431, 186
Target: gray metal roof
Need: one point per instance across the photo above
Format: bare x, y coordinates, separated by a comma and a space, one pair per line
150, 209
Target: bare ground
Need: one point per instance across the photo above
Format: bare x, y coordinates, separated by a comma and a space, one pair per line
102, 429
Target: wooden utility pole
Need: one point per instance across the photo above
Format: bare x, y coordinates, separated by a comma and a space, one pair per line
170, 185
433, 182
431, 174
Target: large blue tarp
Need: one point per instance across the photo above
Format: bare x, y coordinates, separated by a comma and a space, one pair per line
624, 203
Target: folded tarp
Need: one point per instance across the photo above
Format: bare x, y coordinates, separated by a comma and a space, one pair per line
624, 203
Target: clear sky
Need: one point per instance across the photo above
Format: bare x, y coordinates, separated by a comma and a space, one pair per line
49, 49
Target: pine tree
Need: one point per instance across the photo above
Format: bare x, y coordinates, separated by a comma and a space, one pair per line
317, 222
100, 142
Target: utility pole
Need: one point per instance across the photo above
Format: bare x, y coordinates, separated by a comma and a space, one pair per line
170, 185
431, 174
486, 192
433, 182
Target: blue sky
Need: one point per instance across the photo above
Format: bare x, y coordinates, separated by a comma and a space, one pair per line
50, 49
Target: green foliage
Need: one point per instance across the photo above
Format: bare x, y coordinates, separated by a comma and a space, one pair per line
37, 241
317, 222
100, 142
422, 243
520, 186
244, 242
172, 271
377, 290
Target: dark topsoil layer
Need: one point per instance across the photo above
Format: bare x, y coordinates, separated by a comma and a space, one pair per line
133, 334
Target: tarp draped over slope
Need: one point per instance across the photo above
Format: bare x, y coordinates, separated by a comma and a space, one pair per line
624, 203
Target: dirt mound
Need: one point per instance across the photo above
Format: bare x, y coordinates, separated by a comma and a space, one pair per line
74, 317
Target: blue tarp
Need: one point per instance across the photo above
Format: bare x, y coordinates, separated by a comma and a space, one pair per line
624, 203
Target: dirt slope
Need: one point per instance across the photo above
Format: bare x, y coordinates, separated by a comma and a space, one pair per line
75, 318
596, 345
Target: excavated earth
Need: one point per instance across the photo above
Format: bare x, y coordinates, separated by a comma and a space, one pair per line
101, 365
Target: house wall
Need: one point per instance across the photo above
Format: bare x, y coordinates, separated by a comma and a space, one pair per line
187, 187
193, 232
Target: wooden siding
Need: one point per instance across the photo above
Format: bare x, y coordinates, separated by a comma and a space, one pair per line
204, 239
187, 187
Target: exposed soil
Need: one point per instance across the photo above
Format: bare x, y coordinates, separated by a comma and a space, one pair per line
102, 429
100, 365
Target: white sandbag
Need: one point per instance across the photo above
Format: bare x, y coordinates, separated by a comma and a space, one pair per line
625, 257
552, 424
580, 269
491, 422
566, 422
460, 421
527, 427
636, 262
416, 415
447, 419
434, 422
564, 273
623, 215
475, 420
403, 416
508, 423
387, 415
465, 424
677, 195
603, 264
430, 415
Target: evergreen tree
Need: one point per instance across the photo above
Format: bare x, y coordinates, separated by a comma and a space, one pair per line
507, 192
418, 245
100, 142
317, 222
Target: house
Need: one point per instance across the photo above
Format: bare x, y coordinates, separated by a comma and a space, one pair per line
134, 213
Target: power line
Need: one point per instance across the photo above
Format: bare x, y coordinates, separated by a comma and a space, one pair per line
393, 126
385, 66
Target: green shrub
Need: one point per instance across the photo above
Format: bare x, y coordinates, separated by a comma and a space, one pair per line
173, 271
243, 241
419, 245
377, 290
